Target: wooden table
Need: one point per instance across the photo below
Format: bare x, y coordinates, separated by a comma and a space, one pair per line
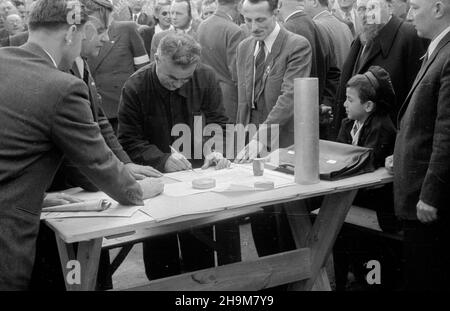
82, 239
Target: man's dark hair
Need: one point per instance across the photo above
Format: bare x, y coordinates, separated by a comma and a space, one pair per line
273, 4
55, 14
181, 49
323, 2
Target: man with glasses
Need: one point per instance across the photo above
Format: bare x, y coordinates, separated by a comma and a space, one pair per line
183, 21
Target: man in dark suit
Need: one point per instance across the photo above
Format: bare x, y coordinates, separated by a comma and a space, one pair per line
57, 121
219, 37
173, 90
422, 153
117, 61
391, 44
324, 64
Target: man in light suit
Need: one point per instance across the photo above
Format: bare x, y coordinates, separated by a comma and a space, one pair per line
267, 64
57, 121
219, 37
117, 61
269, 98
345, 11
339, 35
422, 153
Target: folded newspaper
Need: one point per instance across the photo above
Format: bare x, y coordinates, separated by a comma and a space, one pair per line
86, 206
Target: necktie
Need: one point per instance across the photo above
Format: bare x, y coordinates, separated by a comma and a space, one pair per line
259, 71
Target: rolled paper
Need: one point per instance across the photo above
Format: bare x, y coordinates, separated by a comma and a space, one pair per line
87, 206
306, 130
204, 183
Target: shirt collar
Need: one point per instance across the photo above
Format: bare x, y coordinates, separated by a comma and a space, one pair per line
269, 41
433, 45
290, 15
51, 57
323, 13
80, 65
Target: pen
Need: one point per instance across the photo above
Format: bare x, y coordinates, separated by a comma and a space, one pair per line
173, 150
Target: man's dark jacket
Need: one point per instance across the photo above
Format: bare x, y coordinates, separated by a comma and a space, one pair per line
44, 113
143, 125
422, 149
398, 50
323, 64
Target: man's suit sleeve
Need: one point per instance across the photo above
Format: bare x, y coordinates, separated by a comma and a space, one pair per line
140, 56
131, 131
435, 187
333, 73
212, 104
110, 137
232, 46
78, 136
298, 66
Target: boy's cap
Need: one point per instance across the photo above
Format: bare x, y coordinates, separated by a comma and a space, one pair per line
385, 89
104, 3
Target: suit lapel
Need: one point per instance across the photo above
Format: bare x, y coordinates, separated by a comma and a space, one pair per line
382, 43
422, 73
106, 49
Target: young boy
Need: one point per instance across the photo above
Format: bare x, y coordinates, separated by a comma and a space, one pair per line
369, 99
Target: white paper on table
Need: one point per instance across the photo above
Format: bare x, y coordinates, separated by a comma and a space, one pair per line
238, 178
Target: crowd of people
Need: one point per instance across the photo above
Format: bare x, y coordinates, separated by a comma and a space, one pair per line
91, 90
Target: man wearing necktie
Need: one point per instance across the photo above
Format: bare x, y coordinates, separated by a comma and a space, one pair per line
267, 64
421, 155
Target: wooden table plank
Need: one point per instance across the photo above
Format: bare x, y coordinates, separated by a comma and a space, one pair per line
266, 272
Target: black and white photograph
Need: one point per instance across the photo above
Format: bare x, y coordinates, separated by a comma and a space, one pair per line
227, 153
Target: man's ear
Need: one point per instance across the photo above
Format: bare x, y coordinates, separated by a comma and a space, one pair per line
90, 30
440, 8
369, 106
70, 34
